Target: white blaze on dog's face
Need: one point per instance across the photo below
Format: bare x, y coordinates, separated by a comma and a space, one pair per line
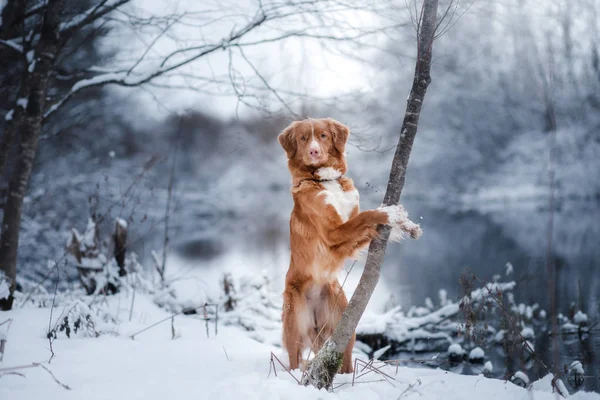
315, 142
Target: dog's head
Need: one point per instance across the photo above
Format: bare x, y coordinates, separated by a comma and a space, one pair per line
313, 144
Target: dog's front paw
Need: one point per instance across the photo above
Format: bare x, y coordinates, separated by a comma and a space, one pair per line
400, 223
395, 213
414, 230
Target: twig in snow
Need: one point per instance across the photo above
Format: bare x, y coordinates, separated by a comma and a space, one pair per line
10, 370
13, 373
4, 337
370, 367
206, 318
410, 387
191, 310
163, 265
272, 365
156, 323
227, 355
50, 336
133, 297
54, 377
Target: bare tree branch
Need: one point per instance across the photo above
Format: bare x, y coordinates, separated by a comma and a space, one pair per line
89, 16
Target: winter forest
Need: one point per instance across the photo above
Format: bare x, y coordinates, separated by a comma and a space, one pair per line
145, 199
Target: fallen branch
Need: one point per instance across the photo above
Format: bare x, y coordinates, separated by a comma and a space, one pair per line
10, 370
4, 336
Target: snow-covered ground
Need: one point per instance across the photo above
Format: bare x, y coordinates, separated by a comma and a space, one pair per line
179, 361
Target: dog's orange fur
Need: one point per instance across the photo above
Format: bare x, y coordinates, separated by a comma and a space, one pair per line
320, 238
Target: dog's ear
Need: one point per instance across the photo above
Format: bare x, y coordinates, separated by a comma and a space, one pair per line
340, 133
288, 141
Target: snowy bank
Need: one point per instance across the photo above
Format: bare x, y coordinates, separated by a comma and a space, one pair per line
192, 365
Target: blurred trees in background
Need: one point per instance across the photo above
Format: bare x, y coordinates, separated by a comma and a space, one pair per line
505, 74
508, 68
53, 69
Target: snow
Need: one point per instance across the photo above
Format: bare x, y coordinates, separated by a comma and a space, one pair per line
577, 367
122, 222
4, 286
229, 365
528, 333
402, 328
22, 102
377, 354
9, 115
443, 294
88, 238
91, 263
455, 349
509, 268
429, 303
488, 367
545, 385
580, 318
520, 375
476, 354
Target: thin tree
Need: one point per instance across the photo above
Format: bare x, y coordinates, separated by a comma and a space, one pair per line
322, 369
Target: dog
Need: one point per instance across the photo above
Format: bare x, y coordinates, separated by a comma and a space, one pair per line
326, 228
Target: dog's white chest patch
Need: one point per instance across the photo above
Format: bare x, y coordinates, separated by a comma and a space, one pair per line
343, 202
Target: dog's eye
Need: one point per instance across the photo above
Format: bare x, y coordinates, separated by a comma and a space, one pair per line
303, 138
323, 135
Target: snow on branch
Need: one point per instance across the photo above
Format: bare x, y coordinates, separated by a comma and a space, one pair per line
399, 328
258, 310
129, 78
11, 45
140, 70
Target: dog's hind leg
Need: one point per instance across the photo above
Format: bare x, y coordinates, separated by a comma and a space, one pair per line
333, 305
292, 337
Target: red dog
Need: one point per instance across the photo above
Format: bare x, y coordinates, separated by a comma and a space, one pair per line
326, 227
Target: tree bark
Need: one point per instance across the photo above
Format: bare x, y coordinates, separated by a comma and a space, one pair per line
325, 365
12, 24
45, 54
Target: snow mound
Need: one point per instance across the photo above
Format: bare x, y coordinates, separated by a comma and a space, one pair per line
528, 333
476, 355
455, 349
177, 359
580, 318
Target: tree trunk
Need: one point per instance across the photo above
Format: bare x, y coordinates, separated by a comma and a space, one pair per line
325, 365
12, 23
45, 55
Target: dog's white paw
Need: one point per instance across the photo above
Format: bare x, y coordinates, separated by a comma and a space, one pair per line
396, 234
414, 230
395, 213
400, 223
